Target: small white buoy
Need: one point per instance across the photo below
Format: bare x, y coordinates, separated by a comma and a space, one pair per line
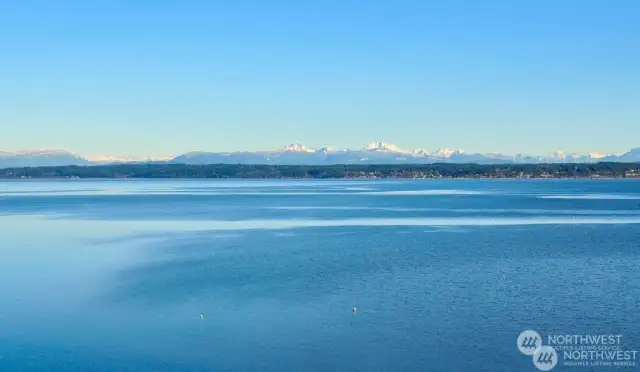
201, 316
355, 309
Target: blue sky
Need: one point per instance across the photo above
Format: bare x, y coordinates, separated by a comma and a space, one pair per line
165, 77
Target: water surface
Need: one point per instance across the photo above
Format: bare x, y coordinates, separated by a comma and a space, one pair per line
113, 275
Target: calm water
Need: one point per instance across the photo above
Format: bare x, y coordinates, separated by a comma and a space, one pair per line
114, 275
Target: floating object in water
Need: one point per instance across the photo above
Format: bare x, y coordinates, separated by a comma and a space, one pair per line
355, 309
201, 316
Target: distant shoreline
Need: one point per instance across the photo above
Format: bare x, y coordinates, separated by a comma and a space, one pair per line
335, 172
308, 178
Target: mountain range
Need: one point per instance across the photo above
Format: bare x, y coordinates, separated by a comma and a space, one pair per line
373, 153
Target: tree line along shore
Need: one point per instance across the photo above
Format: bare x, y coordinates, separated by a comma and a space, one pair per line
349, 171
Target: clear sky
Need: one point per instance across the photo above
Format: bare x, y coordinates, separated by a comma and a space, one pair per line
159, 77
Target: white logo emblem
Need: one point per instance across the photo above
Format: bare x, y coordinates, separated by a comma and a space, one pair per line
545, 358
529, 341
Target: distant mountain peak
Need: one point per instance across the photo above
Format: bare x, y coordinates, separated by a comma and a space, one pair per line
126, 159
597, 155
298, 147
421, 152
297, 153
40, 157
42, 152
560, 155
326, 149
383, 147
447, 153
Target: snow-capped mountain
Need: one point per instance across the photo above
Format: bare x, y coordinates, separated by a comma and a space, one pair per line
596, 155
446, 153
296, 153
326, 150
54, 157
298, 147
106, 159
378, 153
421, 153
383, 147
37, 158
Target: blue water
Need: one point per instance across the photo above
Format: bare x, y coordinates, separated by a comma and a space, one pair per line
113, 275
